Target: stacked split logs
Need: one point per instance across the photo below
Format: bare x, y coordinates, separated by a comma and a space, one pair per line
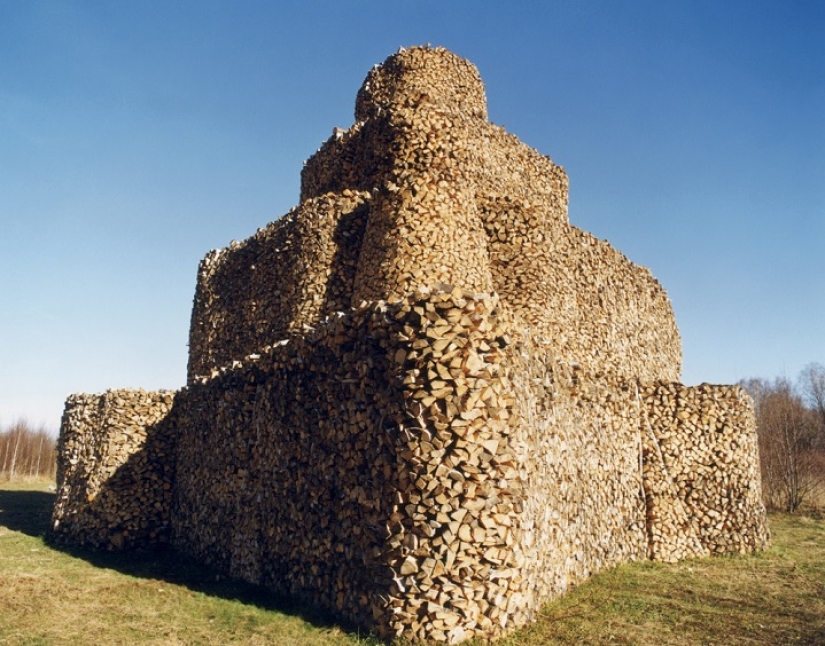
701, 472
365, 467
116, 463
269, 286
421, 399
579, 456
423, 190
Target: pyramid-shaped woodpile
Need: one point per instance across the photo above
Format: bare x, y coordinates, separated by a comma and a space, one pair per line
421, 399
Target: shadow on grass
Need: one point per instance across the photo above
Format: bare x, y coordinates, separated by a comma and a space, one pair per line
172, 567
29, 512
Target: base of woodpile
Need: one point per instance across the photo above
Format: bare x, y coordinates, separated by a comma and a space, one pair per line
415, 467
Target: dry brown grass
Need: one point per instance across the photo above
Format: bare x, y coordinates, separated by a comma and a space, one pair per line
51, 596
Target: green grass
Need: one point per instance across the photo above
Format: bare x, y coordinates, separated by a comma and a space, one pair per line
50, 596
775, 597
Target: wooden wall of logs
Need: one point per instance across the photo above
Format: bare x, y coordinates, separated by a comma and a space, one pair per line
424, 190
115, 469
421, 399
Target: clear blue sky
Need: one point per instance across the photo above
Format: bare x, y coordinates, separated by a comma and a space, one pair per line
136, 136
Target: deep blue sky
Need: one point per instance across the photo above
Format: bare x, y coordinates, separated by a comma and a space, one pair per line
137, 136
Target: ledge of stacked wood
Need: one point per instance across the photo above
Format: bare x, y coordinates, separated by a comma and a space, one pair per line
422, 190
422, 469
116, 463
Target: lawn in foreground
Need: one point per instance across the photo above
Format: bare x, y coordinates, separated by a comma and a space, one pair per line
50, 596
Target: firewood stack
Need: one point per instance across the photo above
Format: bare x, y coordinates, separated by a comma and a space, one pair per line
421, 399
579, 457
116, 463
269, 286
701, 471
424, 190
365, 467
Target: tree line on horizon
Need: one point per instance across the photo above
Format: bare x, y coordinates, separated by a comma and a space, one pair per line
27, 452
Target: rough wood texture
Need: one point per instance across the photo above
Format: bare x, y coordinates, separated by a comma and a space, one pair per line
421, 399
115, 469
424, 190
701, 471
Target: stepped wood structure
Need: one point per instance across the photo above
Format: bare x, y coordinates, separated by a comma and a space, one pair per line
421, 399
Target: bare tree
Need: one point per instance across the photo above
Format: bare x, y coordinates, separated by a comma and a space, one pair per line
790, 444
17, 434
812, 384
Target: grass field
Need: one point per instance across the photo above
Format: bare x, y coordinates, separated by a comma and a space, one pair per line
50, 596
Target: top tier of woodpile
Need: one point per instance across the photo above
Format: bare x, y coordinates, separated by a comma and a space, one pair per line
423, 191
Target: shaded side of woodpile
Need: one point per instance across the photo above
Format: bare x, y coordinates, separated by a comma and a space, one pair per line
288, 468
275, 285
116, 463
